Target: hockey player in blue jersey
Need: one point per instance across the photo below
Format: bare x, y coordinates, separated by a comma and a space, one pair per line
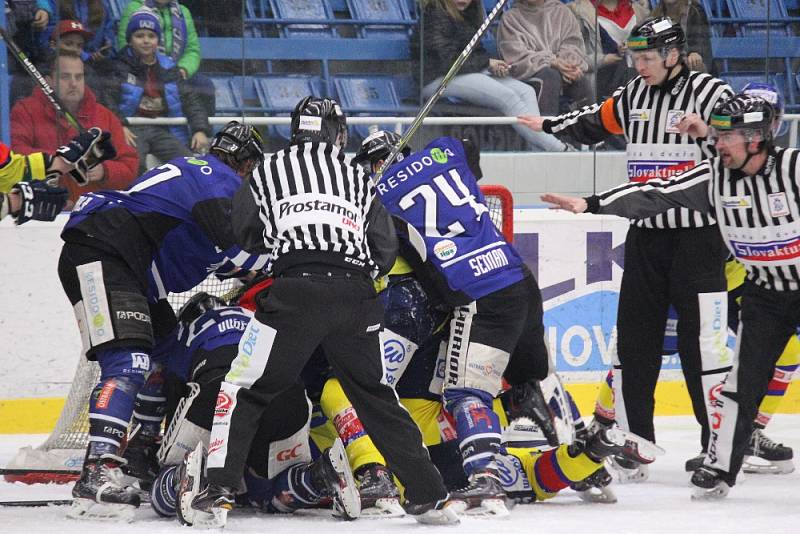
463, 261
281, 476
124, 252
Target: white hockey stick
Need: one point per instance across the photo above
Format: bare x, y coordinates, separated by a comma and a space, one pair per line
426, 109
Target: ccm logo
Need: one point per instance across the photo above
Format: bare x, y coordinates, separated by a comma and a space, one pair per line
288, 454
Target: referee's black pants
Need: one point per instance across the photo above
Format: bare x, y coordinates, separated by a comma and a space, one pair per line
342, 314
663, 267
768, 320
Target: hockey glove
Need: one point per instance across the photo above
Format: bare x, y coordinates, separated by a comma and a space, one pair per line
85, 152
40, 202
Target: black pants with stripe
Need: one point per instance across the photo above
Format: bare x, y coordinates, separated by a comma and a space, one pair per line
342, 314
663, 267
768, 319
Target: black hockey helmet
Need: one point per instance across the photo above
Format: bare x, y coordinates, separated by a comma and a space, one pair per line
377, 146
745, 112
241, 142
197, 305
659, 33
320, 120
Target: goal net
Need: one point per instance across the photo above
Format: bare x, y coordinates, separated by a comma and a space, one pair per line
60, 457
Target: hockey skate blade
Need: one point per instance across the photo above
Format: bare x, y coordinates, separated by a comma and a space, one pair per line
624, 475
598, 495
347, 501
87, 509
759, 466
637, 448
446, 516
206, 521
489, 508
718, 492
383, 509
190, 486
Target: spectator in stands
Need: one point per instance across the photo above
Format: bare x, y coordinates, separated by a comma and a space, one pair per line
179, 41
605, 38
692, 18
36, 128
24, 18
69, 35
148, 84
541, 39
445, 29
96, 17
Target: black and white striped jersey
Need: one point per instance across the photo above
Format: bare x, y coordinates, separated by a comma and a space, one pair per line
648, 116
312, 207
758, 216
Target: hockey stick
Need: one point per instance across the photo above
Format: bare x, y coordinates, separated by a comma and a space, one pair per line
53, 502
39, 472
426, 109
34, 73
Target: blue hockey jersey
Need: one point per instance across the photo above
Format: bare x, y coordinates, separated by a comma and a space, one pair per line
446, 223
214, 329
174, 222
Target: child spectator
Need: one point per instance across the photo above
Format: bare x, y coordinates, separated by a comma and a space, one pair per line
605, 39
178, 40
692, 18
147, 83
541, 39
95, 15
446, 26
35, 127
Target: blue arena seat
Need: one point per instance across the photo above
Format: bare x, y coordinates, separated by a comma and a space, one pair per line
370, 10
226, 101
361, 94
304, 9
278, 94
749, 9
738, 79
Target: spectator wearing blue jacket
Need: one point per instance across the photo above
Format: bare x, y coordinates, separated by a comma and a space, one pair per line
148, 84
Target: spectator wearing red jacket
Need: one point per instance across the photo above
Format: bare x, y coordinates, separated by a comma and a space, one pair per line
35, 127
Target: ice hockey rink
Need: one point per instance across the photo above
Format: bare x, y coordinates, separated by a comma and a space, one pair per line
759, 503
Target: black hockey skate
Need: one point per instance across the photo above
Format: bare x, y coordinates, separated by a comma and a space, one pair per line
764, 456
101, 492
442, 512
331, 474
483, 496
693, 464
708, 484
142, 462
199, 503
379, 494
527, 400
594, 488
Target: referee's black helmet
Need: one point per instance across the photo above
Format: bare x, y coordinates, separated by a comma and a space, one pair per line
659, 33
319, 119
749, 113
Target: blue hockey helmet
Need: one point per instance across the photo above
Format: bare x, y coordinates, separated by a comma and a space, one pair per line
770, 93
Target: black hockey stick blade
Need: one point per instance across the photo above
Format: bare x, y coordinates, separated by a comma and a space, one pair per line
34, 73
39, 471
37, 504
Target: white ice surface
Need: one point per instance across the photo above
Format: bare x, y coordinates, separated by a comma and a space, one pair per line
761, 503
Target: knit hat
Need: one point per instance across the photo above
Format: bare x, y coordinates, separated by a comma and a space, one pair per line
143, 19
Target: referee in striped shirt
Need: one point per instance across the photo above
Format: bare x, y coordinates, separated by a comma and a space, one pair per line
751, 189
328, 236
675, 257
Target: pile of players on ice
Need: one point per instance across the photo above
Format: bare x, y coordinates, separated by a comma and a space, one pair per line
462, 337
